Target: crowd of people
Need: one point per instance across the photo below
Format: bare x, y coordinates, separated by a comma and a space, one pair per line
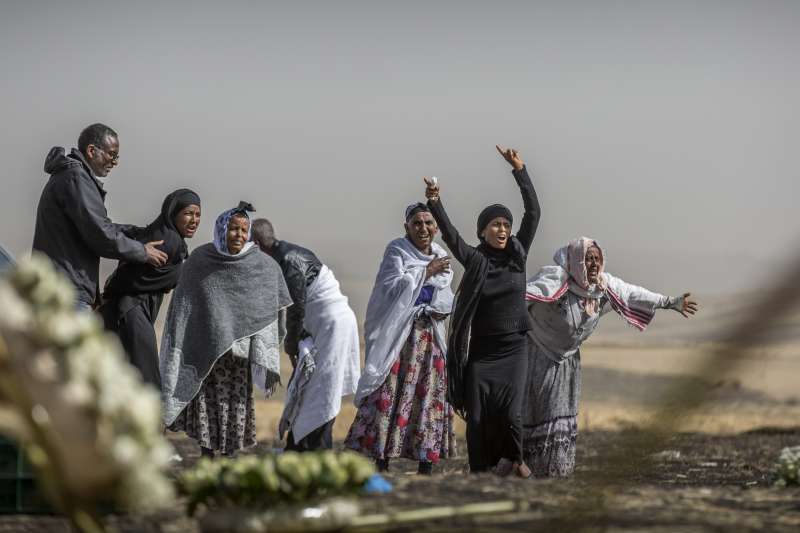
508, 364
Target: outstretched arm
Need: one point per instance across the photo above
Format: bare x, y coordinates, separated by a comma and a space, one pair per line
533, 213
683, 304
639, 298
460, 249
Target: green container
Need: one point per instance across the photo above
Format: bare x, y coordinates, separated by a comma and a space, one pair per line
19, 493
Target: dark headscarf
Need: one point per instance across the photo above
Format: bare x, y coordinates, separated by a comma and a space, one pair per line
467, 298
415, 208
491, 213
135, 278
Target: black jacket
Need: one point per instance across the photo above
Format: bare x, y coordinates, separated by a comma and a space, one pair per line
72, 225
300, 268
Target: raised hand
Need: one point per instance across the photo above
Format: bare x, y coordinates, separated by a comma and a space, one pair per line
155, 256
688, 306
431, 188
438, 265
512, 156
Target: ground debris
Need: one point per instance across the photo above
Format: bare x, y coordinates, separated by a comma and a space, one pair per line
655, 499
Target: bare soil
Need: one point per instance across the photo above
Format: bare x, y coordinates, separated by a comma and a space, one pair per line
713, 476
698, 482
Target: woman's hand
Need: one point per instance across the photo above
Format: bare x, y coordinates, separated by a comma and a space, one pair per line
437, 266
431, 189
688, 306
512, 156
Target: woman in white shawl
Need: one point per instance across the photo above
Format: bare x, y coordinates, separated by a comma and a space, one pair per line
566, 301
223, 333
402, 394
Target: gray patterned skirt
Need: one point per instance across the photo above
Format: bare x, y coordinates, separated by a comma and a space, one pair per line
549, 448
550, 428
222, 416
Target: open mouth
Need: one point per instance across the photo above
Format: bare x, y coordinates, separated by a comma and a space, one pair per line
423, 237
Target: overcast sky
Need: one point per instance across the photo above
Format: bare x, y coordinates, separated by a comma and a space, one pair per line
666, 130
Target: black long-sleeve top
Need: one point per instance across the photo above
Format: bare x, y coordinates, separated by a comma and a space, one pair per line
501, 307
300, 268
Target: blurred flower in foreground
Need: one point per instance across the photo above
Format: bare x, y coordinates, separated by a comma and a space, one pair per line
788, 467
88, 423
274, 480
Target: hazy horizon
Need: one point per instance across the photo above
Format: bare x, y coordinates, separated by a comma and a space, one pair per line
664, 130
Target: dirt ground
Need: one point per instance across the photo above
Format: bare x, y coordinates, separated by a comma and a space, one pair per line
714, 475
698, 482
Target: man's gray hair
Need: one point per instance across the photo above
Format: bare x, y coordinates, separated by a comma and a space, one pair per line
263, 232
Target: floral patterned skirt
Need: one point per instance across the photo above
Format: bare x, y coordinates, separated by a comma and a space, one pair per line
408, 416
549, 448
222, 415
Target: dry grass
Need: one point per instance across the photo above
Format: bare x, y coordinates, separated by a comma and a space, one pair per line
623, 384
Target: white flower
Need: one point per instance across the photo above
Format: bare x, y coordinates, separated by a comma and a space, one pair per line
44, 366
78, 394
126, 451
43, 291
39, 282
787, 466
145, 409
145, 488
16, 314
91, 380
65, 328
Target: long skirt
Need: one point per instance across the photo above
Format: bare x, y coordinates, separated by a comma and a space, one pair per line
494, 398
408, 416
222, 415
132, 319
551, 415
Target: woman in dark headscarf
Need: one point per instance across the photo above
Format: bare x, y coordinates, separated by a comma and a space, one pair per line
401, 396
487, 350
134, 292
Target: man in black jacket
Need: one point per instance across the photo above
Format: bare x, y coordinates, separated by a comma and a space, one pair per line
72, 225
300, 268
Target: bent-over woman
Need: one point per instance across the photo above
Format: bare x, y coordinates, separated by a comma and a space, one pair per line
402, 394
134, 291
223, 333
488, 348
566, 302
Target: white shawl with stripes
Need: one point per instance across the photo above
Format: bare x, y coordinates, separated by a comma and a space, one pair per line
635, 304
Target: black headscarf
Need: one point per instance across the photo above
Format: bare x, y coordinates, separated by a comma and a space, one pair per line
135, 278
492, 212
415, 208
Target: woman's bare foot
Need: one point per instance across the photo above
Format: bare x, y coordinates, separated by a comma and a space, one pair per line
522, 470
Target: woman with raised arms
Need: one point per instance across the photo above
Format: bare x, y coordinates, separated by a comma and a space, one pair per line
487, 356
